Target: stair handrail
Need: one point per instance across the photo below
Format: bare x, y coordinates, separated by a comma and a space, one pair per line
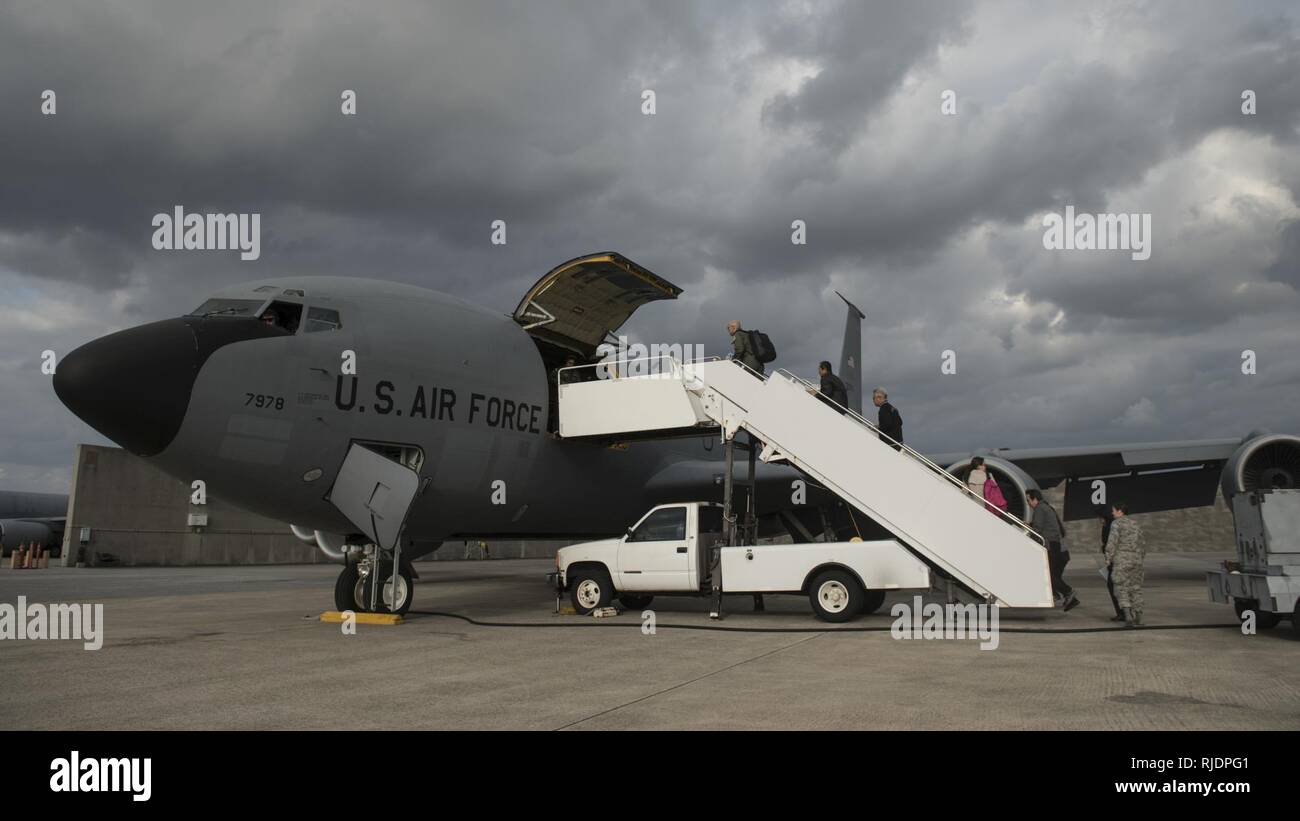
676, 372
960, 485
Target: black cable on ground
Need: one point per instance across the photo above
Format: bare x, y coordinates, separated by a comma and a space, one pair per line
598, 623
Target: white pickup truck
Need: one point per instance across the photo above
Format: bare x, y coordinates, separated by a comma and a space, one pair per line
669, 551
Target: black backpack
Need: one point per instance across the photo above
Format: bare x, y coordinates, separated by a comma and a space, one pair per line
763, 347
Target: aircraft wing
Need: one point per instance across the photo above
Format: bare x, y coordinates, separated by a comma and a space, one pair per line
1149, 476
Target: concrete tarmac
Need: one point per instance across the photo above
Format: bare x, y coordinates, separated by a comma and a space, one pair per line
242, 648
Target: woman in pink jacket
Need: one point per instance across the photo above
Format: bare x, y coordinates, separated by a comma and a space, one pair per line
980, 480
993, 495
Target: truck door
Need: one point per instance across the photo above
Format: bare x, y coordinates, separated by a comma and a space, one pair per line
656, 554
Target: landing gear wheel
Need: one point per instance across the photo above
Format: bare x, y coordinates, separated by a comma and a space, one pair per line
590, 589
345, 589
405, 589
1264, 620
632, 602
871, 601
835, 596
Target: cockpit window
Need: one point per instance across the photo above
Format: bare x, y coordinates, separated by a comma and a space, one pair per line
283, 315
262, 289
323, 319
228, 307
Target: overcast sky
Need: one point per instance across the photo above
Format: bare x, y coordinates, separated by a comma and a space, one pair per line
531, 112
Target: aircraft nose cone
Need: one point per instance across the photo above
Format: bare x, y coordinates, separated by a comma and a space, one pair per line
133, 386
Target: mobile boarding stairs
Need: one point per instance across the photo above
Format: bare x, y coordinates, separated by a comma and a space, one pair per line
931, 512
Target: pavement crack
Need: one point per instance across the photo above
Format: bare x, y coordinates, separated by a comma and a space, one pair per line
688, 682
1151, 697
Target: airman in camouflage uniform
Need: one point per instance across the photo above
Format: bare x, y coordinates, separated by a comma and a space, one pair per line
1125, 552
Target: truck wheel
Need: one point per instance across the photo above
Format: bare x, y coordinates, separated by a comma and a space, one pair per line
1295, 620
590, 589
1264, 620
633, 602
835, 596
871, 601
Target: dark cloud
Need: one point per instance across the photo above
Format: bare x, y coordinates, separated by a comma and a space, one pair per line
859, 53
828, 113
1287, 267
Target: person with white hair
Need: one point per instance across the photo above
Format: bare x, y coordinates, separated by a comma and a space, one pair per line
742, 347
890, 421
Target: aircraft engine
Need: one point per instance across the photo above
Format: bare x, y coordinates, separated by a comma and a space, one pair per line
1013, 481
304, 534
15, 532
331, 544
1265, 461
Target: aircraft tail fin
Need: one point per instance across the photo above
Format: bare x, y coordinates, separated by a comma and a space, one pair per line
851, 354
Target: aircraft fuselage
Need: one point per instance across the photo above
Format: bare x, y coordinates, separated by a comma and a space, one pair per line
271, 415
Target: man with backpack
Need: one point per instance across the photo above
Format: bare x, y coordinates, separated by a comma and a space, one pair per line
751, 348
1047, 523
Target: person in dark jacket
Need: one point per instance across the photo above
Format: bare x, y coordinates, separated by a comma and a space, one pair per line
890, 420
1047, 524
742, 347
832, 387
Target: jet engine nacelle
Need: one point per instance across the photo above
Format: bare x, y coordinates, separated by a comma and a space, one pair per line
304, 534
1265, 461
1014, 482
332, 545
15, 532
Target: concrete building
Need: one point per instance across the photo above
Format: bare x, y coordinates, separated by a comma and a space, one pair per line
121, 506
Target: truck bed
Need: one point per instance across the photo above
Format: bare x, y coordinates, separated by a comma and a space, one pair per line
784, 568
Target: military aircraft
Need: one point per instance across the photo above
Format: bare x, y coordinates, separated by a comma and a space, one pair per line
31, 519
267, 389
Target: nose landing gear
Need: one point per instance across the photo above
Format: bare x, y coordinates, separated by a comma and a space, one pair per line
355, 588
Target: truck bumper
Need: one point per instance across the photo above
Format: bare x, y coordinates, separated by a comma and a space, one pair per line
1275, 594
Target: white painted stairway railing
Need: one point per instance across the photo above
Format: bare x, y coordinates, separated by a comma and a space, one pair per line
928, 509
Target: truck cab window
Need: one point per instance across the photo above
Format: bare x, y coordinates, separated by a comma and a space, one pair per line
710, 522
668, 524
322, 319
